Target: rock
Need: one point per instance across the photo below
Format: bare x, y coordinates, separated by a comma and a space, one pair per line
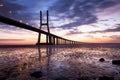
14, 74
25, 64
24, 77
3, 76
106, 78
101, 59
83, 78
36, 73
62, 78
11, 79
116, 62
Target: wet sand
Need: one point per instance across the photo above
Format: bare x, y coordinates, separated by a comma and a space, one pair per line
59, 63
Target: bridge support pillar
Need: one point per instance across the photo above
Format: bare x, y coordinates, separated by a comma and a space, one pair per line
57, 41
38, 38
48, 39
54, 40
65, 41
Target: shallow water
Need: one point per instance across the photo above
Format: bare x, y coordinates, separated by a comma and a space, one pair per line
55, 62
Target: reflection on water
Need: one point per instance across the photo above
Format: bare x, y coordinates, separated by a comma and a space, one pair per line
58, 63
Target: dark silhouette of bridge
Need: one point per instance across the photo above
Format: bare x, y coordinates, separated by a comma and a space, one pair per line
51, 39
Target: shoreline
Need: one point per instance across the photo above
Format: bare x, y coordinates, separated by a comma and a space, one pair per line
111, 45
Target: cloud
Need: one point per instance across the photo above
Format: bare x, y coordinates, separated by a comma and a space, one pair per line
10, 6
104, 20
115, 37
84, 10
74, 32
107, 3
116, 29
113, 30
72, 9
77, 12
93, 25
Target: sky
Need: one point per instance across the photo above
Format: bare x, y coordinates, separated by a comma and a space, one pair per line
94, 21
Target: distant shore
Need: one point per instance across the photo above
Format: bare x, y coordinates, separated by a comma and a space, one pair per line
80, 45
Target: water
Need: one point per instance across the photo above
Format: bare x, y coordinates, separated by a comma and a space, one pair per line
59, 62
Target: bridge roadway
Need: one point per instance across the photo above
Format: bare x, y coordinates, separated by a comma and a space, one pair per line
59, 40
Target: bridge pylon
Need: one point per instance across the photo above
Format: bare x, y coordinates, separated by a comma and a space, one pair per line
48, 36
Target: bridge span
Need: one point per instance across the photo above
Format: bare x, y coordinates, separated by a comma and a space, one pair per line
51, 39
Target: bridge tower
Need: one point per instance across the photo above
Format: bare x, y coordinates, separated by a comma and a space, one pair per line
48, 37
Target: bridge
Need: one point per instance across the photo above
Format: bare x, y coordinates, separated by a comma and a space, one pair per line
51, 39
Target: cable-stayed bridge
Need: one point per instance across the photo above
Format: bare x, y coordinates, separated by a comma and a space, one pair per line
51, 39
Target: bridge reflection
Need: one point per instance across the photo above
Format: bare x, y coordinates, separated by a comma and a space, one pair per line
41, 63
